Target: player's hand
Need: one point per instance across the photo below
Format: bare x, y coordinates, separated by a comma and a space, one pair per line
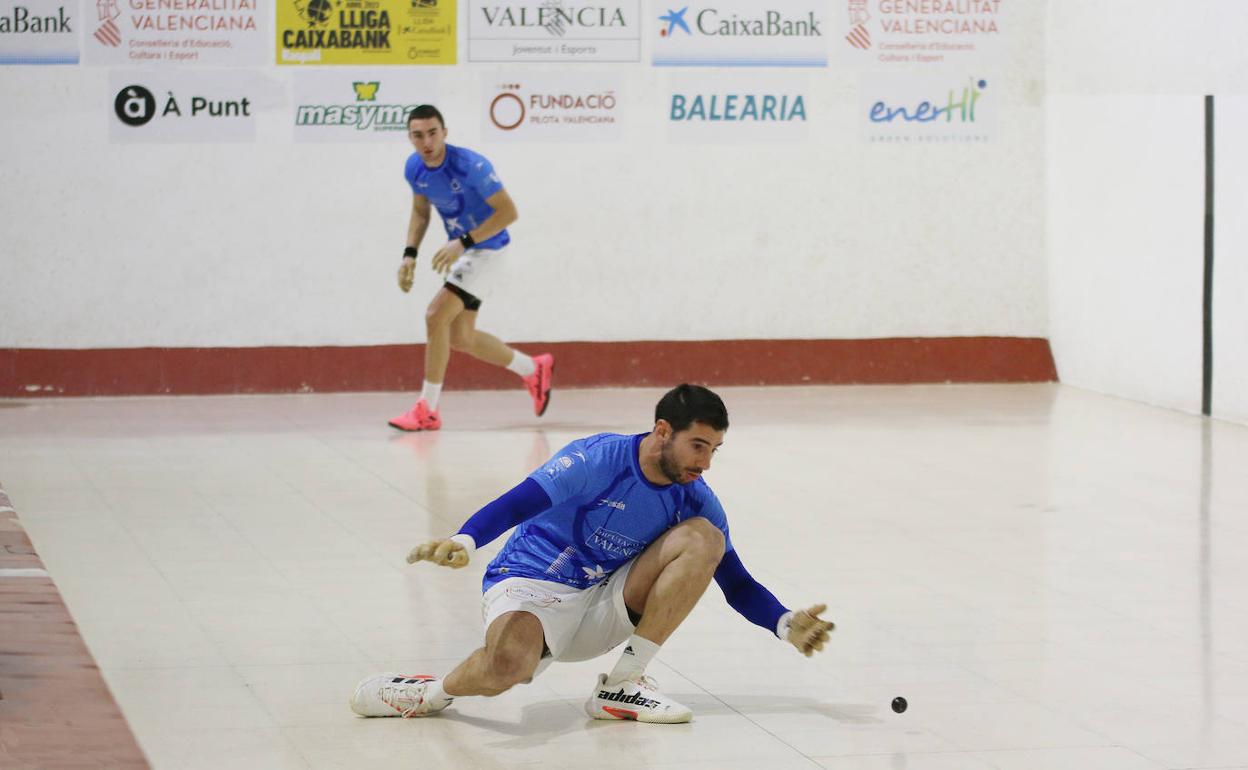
407, 272
808, 632
447, 255
444, 553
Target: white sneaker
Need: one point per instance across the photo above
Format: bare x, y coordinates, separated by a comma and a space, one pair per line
394, 695
637, 699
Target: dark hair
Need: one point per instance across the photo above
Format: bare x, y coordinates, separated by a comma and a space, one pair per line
686, 404
424, 112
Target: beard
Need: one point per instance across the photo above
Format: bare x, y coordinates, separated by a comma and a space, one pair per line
668, 465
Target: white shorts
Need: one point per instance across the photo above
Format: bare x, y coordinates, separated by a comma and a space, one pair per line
477, 271
579, 623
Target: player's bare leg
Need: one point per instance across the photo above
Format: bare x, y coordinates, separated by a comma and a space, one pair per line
467, 338
439, 316
663, 586
536, 371
513, 648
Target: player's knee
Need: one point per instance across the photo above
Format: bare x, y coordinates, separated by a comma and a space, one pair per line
701, 537
435, 319
460, 341
509, 667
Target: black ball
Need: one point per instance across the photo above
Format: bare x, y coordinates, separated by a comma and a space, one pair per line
899, 704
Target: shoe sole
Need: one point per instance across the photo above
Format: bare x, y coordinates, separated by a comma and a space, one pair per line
624, 715
550, 388
411, 430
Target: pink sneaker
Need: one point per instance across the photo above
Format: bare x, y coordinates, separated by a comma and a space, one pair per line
538, 383
419, 418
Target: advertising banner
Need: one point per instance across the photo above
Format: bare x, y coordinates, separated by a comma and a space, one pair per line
554, 30
192, 105
149, 33
366, 32
928, 107
740, 33
39, 32
555, 107
350, 105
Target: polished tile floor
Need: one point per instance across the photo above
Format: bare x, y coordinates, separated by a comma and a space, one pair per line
1053, 578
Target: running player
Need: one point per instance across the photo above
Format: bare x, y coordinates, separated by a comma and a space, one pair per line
476, 210
616, 539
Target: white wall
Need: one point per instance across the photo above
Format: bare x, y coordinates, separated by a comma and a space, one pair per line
1230, 268
277, 243
1125, 197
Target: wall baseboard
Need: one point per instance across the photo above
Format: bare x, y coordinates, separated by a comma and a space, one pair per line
33, 372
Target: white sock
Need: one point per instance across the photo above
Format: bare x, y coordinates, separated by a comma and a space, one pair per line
522, 364
638, 653
435, 696
431, 393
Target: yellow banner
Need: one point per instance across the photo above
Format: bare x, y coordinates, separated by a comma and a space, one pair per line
366, 32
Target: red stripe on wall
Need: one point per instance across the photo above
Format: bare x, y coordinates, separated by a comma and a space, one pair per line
30, 372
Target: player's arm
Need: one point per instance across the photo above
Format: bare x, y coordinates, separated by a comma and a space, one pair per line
519, 504
416, 227
804, 629
504, 215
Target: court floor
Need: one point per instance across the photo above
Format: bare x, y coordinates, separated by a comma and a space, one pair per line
1052, 578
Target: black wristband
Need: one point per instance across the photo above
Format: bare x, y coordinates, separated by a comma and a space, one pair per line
467, 240
410, 251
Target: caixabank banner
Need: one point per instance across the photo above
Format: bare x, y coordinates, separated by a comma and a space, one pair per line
39, 32
216, 33
366, 32
739, 33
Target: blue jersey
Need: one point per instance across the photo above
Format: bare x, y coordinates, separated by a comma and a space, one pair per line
603, 513
458, 189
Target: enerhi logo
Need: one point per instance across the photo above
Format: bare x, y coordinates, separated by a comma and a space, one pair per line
711, 22
958, 107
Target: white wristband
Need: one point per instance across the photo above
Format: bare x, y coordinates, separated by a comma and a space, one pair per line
782, 626
467, 542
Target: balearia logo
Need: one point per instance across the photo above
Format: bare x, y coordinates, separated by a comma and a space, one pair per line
958, 107
364, 114
23, 21
710, 21
136, 106
745, 108
555, 16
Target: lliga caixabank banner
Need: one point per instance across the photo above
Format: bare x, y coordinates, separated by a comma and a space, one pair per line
217, 33
739, 33
39, 32
922, 33
554, 30
366, 32
359, 105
